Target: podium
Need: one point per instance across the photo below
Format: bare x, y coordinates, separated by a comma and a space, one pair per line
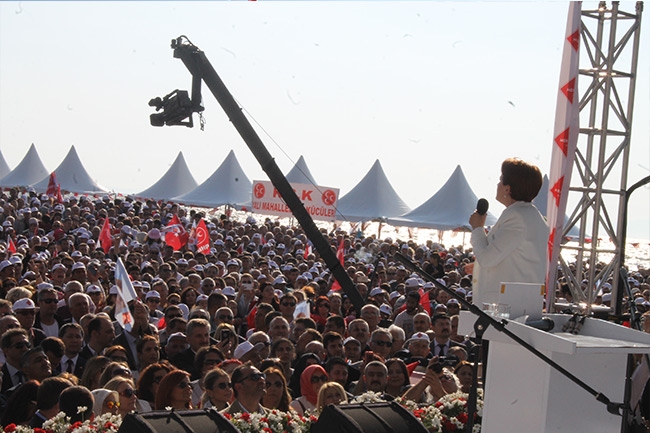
523, 393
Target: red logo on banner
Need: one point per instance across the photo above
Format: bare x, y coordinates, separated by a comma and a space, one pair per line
556, 190
551, 242
562, 141
574, 39
568, 90
259, 190
329, 197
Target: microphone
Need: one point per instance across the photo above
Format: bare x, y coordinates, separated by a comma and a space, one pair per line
482, 206
544, 324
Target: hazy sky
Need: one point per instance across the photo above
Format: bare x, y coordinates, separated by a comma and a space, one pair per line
421, 86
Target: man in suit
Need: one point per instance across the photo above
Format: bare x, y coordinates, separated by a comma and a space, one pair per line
198, 336
101, 334
15, 342
249, 387
442, 341
72, 335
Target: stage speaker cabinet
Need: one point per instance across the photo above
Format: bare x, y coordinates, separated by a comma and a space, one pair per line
388, 417
183, 421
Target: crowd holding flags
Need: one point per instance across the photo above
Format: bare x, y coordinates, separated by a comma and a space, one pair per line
54, 188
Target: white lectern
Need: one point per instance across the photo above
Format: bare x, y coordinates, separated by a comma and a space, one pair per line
524, 394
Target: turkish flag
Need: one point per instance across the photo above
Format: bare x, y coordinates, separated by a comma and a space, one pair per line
105, 238
308, 251
340, 254
202, 238
52, 186
424, 301
11, 247
59, 196
176, 235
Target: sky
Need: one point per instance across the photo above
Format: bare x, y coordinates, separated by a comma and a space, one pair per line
421, 86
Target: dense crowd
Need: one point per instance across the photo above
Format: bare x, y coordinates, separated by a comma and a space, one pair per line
255, 322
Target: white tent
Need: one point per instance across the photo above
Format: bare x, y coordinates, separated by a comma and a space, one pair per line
372, 198
300, 173
28, 171
72, 176
176, 181
228, 185
447, 209
4, 167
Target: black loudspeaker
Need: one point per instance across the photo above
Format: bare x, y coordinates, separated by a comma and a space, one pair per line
184, 421
387, 417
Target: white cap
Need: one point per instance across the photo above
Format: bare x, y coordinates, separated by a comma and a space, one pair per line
419, 336
24, 304
229, 291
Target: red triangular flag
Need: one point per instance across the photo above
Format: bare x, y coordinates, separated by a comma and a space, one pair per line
308, 251
202, 238
52, 185
411, 367
176, 235
105, 238
11, 247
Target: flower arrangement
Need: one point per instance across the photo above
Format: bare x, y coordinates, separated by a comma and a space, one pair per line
449, 414
274, 421
106, 423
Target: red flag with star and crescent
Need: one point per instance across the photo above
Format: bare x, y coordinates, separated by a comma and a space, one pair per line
176, 235
202, 238
566, 130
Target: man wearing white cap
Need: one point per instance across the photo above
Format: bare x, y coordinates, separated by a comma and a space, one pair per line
25, 310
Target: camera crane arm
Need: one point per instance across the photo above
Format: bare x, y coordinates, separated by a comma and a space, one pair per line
199, 66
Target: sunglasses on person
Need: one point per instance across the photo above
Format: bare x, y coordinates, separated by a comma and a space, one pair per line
225, 317
112, 404
288, 304
121, 372
183, 385
383, 343
22, 345
277, 384
128, 393
26, 312
316, 379
223, 385
254, 376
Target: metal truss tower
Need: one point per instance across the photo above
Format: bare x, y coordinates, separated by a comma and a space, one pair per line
596, 201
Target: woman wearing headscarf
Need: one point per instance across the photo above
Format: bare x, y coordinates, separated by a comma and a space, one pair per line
311, 381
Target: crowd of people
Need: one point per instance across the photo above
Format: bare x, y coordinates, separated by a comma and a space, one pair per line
256, 322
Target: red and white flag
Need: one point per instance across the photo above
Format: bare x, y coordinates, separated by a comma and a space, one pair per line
105, 237
202, 238
52, 186
176, 236
125, 293
59, 196
308, 250
567, 119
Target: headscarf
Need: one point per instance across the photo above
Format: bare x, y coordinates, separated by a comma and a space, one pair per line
100, 396
306, 388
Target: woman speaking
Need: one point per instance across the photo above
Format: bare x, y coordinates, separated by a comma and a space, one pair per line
515, 249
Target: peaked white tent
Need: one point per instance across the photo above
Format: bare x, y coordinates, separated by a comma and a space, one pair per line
4, 167
176, 181
228, 185
28, 171
447, 209
72, 176
372, 198
300, 173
